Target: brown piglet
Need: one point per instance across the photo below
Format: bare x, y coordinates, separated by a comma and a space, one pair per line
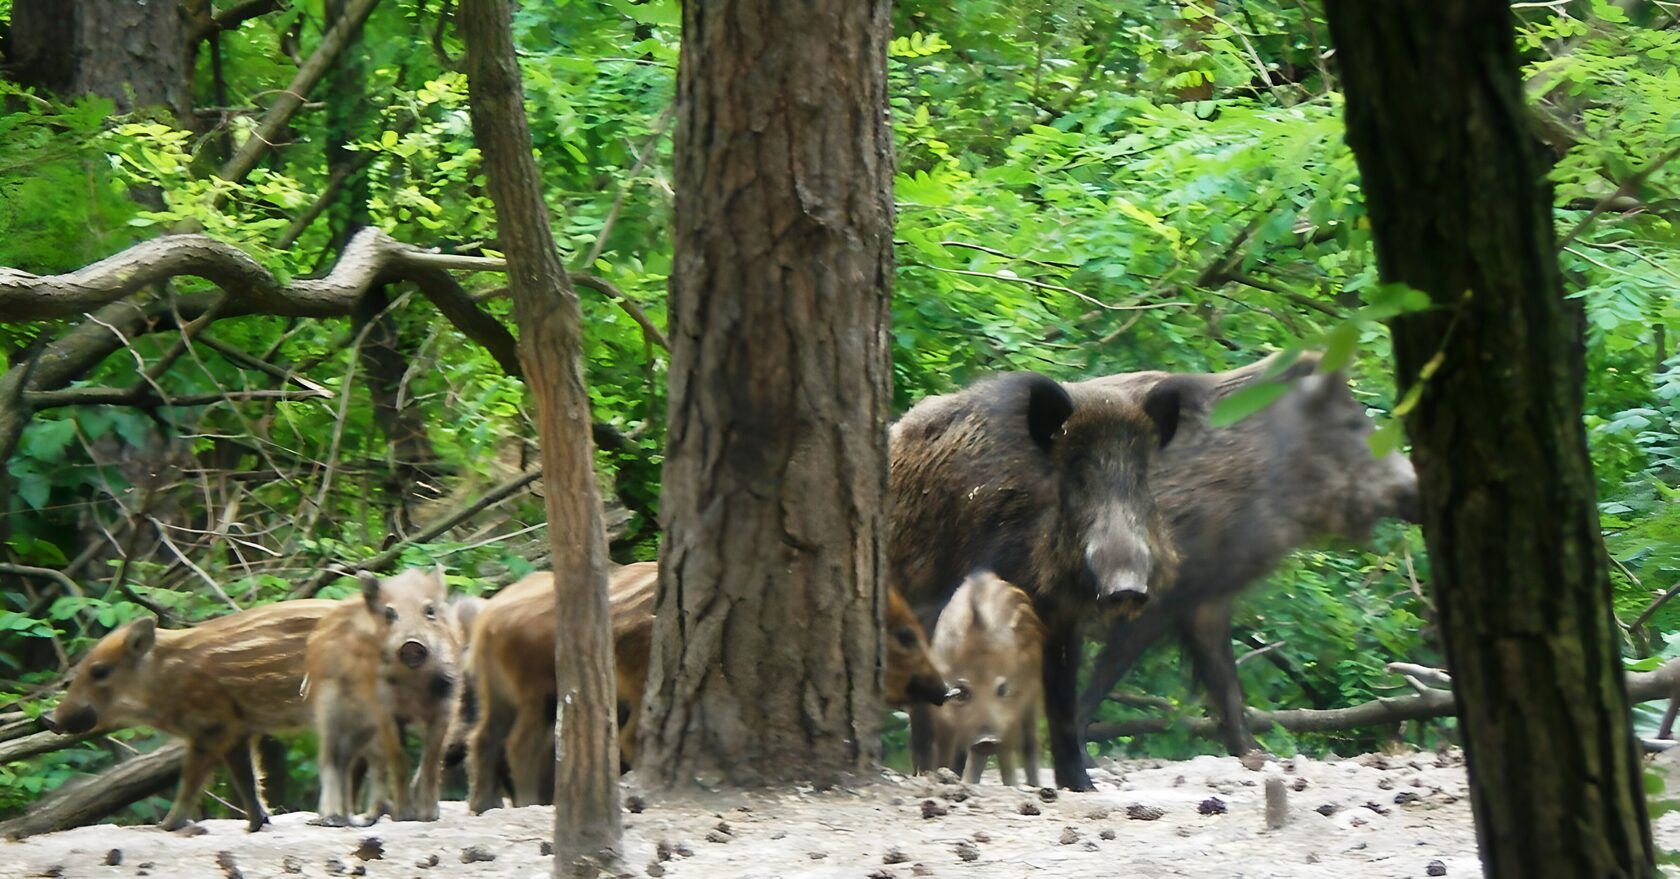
990, 644
218, 685
377, 665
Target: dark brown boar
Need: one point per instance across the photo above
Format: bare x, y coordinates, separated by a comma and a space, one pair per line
218, 685
989, 643
1047, 489
1237, 500
377, 666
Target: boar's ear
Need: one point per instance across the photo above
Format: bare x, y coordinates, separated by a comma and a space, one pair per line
1163, 404
1048, 407
370, 591
142, 634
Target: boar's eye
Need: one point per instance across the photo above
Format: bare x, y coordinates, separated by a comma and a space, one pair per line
906, 637
390, 614
99, 672
1003, 688
963, 693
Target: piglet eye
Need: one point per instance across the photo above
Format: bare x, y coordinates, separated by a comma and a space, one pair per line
963, 692
99, 672
390, 614
906, 637
1002, 689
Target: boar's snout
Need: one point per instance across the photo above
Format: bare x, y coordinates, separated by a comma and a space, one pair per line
984, 745
1120, 562
72, 722
1408, 505
413, 653
929, 689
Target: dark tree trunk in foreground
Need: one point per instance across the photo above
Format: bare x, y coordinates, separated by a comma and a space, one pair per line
767, 651
587, 821
132, 53
1460, 209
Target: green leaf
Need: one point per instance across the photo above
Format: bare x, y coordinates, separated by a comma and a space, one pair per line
1385, 439
1245, 402
1339, 345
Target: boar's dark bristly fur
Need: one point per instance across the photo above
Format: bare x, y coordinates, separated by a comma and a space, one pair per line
1240, 498
1049, 490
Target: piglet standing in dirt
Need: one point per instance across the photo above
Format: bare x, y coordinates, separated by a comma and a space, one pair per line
1237, 500
990, 645
375, 666
218, 685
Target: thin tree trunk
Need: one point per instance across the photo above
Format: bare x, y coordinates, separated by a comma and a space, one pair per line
1460, 209
587, 820
767, 648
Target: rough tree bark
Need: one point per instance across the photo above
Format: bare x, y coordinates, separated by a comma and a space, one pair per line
587, 821
1460, 209
766, 657
131, 53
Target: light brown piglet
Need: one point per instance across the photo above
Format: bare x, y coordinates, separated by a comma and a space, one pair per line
218, 685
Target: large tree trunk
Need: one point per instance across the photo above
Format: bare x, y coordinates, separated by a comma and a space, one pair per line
132, 53
1460, 209
587, 824
767, 650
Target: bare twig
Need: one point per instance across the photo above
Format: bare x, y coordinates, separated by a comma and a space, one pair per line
649, 150
1627, 187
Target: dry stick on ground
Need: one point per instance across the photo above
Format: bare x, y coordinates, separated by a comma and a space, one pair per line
1642, 687
129, 781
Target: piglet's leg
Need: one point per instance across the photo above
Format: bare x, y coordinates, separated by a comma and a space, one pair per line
243, 774
429, 778
195, 774
1029, 747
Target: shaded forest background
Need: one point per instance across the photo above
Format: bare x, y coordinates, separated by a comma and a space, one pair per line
1083, 189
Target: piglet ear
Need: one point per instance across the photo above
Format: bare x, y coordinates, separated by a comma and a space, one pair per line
1048, 408
370, 592
1163, 404
142, 634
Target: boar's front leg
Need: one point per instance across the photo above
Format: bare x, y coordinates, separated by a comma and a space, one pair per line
1127, 640
1207, 633
1061, 700
243, 774
196, 767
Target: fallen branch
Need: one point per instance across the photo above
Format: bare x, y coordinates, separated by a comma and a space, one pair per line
73, 806
1426, 704
43, 742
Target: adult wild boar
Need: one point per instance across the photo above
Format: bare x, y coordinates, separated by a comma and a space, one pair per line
218, 685
1050, 491
989, 644
1240, 498
376, 667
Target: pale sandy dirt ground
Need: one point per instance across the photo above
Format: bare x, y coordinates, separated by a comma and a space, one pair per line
854, 833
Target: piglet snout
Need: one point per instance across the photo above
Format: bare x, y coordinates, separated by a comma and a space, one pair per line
413, 653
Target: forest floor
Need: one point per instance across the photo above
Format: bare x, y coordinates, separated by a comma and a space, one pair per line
1374, 816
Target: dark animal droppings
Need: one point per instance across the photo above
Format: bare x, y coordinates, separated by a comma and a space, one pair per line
1326, 810
894, 856
1212, 806
1299, 785
476, 854
545, 848
1107, 833
1069, 836
229, 868
1140, 812
1028, 808
371, 849
933, 809
1435, 868
1047, 794
967, 851
635, 804
113, 858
